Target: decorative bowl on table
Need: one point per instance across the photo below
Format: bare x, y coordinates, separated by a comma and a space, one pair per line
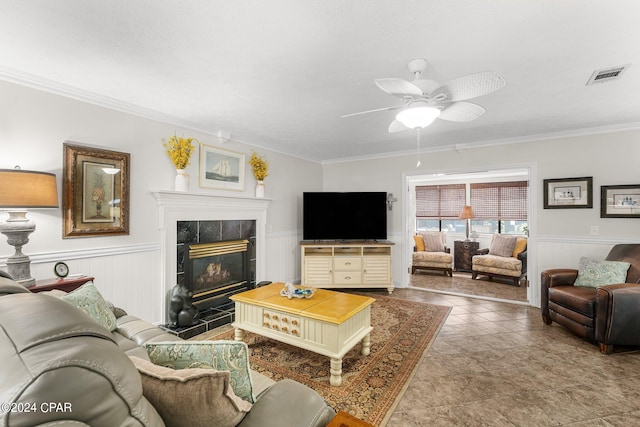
291, 291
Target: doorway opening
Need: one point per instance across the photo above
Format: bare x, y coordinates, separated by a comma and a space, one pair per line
456, 231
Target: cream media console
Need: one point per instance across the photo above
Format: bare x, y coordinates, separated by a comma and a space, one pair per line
347, 265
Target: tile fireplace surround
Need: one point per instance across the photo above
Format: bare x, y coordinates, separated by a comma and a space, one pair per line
174, 206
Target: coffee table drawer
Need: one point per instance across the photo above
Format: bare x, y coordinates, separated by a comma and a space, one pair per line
281, 322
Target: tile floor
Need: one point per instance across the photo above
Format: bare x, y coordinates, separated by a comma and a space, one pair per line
462, 283
497, 364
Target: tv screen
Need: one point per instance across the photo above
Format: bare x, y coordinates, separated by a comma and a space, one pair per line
344, 216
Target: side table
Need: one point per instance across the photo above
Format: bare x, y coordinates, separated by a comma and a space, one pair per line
344, 419
463, 251
67, 284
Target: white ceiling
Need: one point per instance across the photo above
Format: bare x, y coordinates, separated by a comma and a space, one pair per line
278, 74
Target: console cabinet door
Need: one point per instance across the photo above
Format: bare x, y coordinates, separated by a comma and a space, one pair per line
318, 271
377, 270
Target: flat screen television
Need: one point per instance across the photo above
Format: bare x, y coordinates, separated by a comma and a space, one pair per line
344, 216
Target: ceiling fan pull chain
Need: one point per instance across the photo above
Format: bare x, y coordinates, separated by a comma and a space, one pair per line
418, 147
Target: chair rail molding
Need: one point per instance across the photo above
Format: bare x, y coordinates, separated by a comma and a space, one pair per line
46, 257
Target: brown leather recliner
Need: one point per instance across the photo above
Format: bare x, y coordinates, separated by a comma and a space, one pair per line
609, 315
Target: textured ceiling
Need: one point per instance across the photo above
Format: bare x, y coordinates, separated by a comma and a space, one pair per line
279, 74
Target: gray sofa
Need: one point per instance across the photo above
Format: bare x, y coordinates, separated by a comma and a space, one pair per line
60, 367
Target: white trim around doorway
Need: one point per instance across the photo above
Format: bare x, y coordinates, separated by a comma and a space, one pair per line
528, 170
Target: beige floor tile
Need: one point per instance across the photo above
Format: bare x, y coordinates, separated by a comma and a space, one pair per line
498, 364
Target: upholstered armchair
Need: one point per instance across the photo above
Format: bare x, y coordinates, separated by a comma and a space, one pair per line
505, 258
431, 253
608, 314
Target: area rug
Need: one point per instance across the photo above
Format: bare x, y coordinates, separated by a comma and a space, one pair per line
372, 385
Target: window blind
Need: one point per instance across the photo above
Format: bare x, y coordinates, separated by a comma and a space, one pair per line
440, 201
500, 200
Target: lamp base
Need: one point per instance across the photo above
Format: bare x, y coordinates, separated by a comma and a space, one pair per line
468, 226
17, 229
20, 269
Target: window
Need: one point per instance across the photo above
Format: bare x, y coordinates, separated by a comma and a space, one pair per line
438, 207
499, 207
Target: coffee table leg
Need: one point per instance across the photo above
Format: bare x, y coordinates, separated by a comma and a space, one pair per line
336, 372
366, 345
239, 334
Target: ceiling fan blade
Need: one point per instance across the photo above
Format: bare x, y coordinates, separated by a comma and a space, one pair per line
396, 126
398, 87
462, 112
372, 111
470, 86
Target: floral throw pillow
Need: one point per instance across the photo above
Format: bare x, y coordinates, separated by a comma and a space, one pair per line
593, 273
232, 356
88, 299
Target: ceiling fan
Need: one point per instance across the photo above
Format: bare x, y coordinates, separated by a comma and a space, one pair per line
425, 100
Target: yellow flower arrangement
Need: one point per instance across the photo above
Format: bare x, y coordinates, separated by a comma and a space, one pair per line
179, 150
259, 165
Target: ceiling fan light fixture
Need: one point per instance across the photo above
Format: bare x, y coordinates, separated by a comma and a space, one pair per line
418, 117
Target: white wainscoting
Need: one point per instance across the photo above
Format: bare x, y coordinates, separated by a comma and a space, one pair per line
283, 257
130, 276
565, 252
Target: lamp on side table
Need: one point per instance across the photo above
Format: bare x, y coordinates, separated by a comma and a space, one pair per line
467, 214
20, 190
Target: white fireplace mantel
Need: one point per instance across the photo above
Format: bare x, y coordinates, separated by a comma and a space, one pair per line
174, 206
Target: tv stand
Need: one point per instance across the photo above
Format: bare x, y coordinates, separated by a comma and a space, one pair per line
347, 264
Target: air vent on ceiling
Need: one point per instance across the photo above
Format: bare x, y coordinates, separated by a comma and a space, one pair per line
607, 75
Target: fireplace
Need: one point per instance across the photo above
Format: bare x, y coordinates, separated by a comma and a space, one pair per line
216, 259
215, 271
193, 218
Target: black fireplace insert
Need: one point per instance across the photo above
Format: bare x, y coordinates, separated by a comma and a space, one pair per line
216, 271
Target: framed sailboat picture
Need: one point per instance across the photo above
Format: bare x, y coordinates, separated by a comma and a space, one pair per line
221, 169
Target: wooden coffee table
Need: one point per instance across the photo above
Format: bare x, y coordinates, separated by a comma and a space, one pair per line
330, 323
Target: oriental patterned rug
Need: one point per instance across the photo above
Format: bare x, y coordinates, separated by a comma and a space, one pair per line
372, 385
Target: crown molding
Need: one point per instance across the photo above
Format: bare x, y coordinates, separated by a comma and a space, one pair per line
22, 78
622, 127
46, 85
36, 82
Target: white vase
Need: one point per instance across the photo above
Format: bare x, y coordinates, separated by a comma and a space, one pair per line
182, 180
260, 189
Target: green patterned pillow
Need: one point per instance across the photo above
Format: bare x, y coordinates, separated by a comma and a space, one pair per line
593, 273
88, 299
232, 356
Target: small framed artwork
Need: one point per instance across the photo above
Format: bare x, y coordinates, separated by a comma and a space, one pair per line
221, 169
95, 192
620, 201
568, 193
